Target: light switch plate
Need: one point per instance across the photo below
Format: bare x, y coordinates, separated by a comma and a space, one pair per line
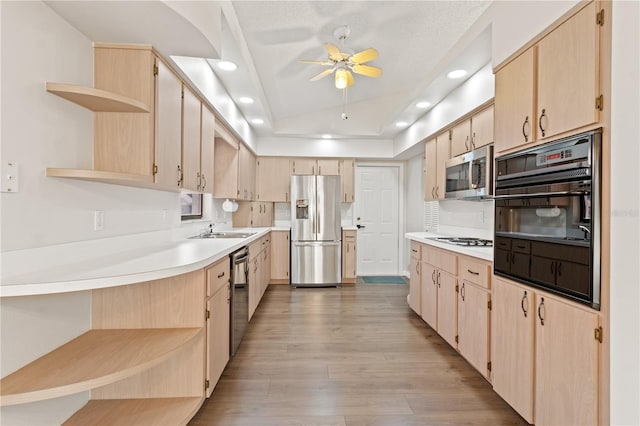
9, 176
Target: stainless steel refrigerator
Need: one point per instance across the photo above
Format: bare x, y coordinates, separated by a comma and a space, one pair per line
316, 251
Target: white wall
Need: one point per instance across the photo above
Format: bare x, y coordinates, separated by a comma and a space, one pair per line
414, 204
41, 130
625, 215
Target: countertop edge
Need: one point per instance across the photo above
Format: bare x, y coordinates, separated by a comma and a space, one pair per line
483, 253
190, 265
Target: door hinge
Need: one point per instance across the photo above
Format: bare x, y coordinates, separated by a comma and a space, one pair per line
600, 102
456, 339
207, 384
489, 304
207, 314
598, 334
155, 69
600, 17
155, 169
489, 366
450, 134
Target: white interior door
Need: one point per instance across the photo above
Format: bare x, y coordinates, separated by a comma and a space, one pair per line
376, 211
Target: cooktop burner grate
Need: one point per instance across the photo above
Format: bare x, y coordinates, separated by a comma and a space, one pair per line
465, 241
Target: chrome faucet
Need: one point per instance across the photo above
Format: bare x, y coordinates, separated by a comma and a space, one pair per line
587, 231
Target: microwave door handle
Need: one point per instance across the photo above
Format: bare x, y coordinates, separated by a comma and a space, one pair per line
539, 195
478, 181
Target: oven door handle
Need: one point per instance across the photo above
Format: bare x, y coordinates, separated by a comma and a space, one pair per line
539, 195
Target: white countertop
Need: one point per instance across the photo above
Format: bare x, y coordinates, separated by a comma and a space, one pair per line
485, 253
70, 267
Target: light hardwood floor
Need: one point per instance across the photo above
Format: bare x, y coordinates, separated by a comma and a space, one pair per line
354, 355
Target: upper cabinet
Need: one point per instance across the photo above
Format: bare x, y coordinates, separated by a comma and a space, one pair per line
246, 174
461, 138
272, 179
150, 129
473, 132
436, 154
552, 87
310, 166
347, 178
225, 178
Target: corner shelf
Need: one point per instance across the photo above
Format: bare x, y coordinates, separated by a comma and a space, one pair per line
113, 178
137, 412
100, 357
96, 100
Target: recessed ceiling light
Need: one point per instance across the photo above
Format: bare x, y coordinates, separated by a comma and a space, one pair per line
423, 104
257, 121
326, 136
227, 66
457, 74
401, 123
246, 100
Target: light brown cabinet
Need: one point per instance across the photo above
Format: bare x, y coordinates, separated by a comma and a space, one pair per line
436, 154
246, 173
474, 313
218, 298
273, 180
168, 128
349, 256
415, 297
280, 255
225, 180
207, 150
310, 166
253, 214
347, 177
259, 271
551, 88
191, 118
429, 295
564, 356
473, 132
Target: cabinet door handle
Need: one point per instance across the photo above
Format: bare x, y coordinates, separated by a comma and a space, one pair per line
524, 303
553, 269
466, 143
417, 271
198, 181
525, 124
544, 114
204, 185
559, 267
179, 175
472, 272
438, 279
462, 292
541, 311
221, 274
433, 277
433, 195
473, 140
437, 188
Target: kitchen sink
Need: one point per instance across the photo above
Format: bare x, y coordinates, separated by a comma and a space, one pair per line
224, 235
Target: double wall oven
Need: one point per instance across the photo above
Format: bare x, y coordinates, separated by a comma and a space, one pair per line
547, 217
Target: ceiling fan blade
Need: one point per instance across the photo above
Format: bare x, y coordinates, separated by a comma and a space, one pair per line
367, 70
334, 52
321, 75
350, 79
364, 56
307, 61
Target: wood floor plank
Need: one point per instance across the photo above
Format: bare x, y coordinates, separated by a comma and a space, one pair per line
356, 355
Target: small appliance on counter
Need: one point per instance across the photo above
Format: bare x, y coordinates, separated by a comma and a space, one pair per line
316, 250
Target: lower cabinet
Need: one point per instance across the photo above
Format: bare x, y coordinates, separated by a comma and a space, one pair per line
414, 278
217, 314
349, 258
545, 355
429, 295
280, 250
259, 271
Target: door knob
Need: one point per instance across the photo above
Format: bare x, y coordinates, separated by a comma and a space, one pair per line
360, 226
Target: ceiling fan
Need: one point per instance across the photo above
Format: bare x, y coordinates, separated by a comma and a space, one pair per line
345, 63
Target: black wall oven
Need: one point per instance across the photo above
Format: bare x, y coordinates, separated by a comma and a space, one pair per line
547, 217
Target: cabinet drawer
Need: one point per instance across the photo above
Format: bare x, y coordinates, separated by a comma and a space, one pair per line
475, 271
521, 246
349, 235
416, 250
448, 262
217, 276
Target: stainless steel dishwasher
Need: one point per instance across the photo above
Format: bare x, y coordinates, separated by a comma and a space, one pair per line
239, 298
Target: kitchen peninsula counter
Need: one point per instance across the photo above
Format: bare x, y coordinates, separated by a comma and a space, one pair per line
111, 262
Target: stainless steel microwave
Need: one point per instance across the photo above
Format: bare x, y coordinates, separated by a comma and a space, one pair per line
470, 176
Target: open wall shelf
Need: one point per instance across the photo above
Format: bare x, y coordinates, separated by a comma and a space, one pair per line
96, 100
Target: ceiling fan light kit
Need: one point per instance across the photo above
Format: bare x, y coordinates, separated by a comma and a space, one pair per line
345, 63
